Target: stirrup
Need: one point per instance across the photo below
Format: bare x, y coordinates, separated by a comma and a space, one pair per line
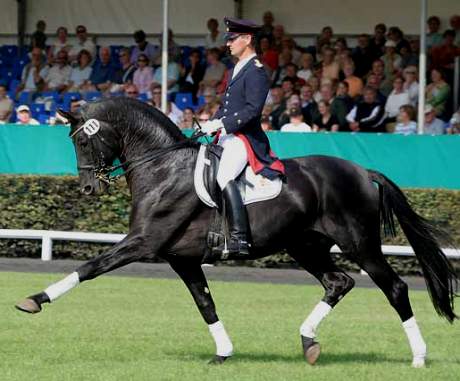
235, 249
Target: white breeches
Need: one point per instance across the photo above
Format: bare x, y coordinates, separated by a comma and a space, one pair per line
233, 160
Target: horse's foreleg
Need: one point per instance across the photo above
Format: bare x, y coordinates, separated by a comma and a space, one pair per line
191, 273
128, 250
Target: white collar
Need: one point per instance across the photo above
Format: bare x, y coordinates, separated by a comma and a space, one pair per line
240, 64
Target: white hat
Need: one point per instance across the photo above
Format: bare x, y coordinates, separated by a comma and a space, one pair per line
390, 44
23, 108
428, 109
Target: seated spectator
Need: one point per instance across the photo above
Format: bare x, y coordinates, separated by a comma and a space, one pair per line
172, 74
143, 76
314, 82
215, 71
192, 74
325, 38
172, 111
83, 42
211, 100
433, 37
397, 98
325, 121
443, 56
363, 56
267, 27
340, 46
455, 25
187, 119
103, 73
125, 74
265, 123
288, 43
330, 65
278, 34
406, 121
377, 42
38, 38
285, 58
131, 91
288, 87
33, 74
341, 94
385, 82
374, 82
368, 115
291, 73
62, 43
174, 50
306, 66
433, 125
292, 102
269, 55
355, 84
454, 124
278, 104
296, 123
308, 104
214, 39
410, 74
79, 75
24, 116
142, 47
204, 115
392, 61
6, 105
410, 57
397, 36
437, 92
58, 76
337, 106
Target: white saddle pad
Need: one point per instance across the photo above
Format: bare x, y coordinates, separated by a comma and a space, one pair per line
262, 189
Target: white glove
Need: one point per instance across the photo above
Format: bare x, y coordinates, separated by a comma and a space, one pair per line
212, 126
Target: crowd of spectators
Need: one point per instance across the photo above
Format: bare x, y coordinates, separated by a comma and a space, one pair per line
328, 86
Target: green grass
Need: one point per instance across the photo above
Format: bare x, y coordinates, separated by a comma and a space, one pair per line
116, 328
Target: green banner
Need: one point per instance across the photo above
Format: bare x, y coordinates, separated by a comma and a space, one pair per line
419, 161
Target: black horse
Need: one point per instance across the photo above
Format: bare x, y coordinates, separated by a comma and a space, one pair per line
325, 201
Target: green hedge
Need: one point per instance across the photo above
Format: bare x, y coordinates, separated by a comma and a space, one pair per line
54, 203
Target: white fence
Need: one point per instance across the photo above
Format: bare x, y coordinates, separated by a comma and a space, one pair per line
48, 236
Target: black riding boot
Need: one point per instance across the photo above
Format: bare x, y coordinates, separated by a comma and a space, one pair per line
237, 246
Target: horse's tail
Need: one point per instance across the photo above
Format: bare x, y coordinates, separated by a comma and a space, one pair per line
440, 277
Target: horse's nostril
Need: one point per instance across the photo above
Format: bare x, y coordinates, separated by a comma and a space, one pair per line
87, 189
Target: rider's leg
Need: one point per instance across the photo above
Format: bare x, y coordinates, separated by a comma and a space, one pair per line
233, 161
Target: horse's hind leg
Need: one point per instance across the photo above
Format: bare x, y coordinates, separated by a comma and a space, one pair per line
191, 273
315, 258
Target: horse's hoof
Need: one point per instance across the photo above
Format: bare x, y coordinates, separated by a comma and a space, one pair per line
218, 360
311, 350
29, 305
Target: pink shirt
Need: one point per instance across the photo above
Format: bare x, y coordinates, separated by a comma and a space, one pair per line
143, 78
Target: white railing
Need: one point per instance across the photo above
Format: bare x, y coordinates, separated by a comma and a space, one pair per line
48, 236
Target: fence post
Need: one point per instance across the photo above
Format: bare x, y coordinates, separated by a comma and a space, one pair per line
456, 84
47, 247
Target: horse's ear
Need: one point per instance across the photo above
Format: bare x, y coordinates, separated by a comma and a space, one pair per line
67, 117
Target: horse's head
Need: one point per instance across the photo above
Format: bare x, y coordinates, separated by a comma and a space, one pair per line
96, 147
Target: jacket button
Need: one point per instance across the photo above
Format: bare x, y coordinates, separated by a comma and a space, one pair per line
226, 102
225, 110
235, 114
227, 94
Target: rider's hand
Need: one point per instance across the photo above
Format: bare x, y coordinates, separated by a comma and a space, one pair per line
212, 126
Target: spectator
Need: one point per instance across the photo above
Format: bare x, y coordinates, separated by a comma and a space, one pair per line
204, 115
142, 47
103, 73
62, 43
330, 65
308, 104
306, 66
214, 39
374, 82
269, 55
38, 38
410, 57
325, 38
455, 25
33, 74
265, 123
143, 76
437, 92
443, 56
325, 121
397, 36
6, 105
267, 27
385, 82
337, 107
24, 117
355, 84
291, 102
131, 91
285, 58
454, 124
278, 34
278, 106
291, 73
58, 76
172, 111
125, 74
211, 101
174, 51
406, 121
84, 42
363, 56
368, 115
340, 46
342, 95
410, 74
296, 123
288, 87
215, 71
433, 37
377, 42
187, 119
397, 98
192, 74
79, 76
391, 60
172, 74
288, 43
314, 83
433, 125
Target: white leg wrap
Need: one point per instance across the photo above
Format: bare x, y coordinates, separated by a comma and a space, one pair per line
416, 342
224, 346
311, 323
59, 288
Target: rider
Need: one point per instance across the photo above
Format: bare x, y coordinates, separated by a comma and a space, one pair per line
239, 131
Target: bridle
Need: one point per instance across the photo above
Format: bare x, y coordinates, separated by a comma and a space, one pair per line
103, 172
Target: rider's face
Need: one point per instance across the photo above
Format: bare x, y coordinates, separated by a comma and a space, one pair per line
239, 44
